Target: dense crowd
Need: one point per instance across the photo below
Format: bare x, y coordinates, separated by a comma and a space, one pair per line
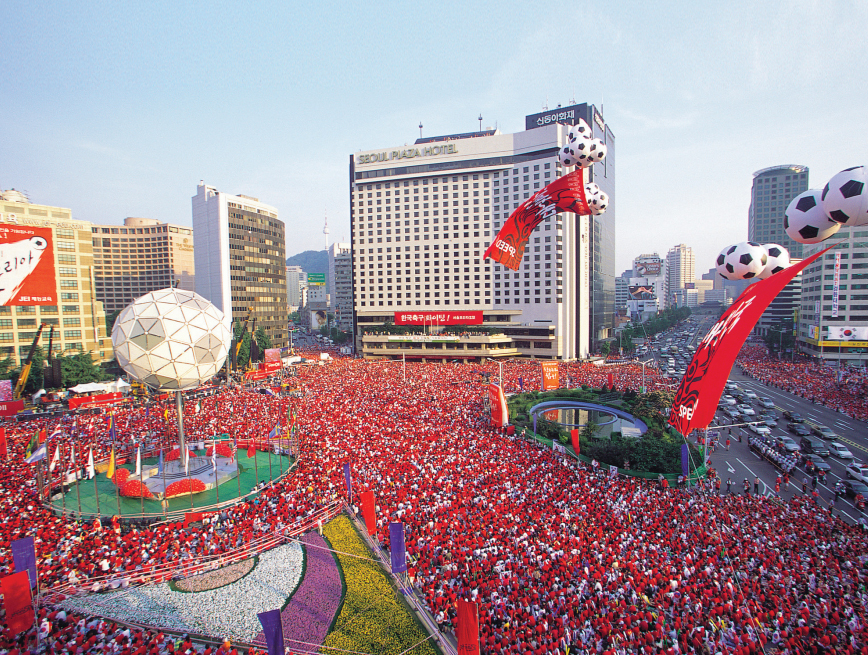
557, 555
841, 389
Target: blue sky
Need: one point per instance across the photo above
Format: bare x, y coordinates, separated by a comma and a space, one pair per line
118, 109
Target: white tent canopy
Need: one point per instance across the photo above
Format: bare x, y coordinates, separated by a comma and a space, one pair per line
89, 387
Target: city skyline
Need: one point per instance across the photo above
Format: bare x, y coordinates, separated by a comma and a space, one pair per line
127, 107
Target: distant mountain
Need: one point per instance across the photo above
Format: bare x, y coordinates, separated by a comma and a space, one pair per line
311, 261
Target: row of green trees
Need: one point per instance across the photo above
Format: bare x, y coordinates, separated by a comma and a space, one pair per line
75, 369
663, 321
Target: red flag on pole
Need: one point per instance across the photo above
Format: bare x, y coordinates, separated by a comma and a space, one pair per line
696, 399
369, 512
574, 437
4, 448
251, 450
467, 625
43, 435
16, 598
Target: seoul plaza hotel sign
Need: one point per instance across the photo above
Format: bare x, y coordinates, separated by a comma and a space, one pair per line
407, 153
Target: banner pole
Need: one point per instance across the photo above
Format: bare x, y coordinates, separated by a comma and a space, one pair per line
96, 493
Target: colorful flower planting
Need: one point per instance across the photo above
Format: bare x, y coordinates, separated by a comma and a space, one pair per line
188, 486
309, 613
172, 455
135, 489
228, 611
121, 476
224, 449
372, 619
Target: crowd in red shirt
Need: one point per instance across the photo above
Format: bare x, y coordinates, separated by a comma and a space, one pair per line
555, 555
842, 389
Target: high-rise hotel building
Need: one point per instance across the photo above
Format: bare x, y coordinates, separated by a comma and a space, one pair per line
78, 318
772, 190
240, 259
423, 215
142, 256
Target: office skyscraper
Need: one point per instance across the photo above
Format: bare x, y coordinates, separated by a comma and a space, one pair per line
680, 271
773, 189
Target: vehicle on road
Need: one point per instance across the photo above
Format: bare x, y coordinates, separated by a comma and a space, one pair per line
746, 410
768, 403
798, 429
760, 429
853, 488
817, 462
788, 443
823, 432
809, 444
795, 417
839, 450
857, 471
750, 394
727, 400
769, 421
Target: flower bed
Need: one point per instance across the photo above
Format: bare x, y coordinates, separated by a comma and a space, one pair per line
135, 489
173, 455
121, 476
372, 619
308, 615
216, 579
188, 486
224, 449
229, 611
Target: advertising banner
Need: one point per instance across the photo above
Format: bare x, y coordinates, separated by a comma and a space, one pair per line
98, 399
550, 376
648, 269
12, 407
847, 333
316, 279
813, 332
438, 318
641, 292
318, 319
272, 355
836, 285
27, 275
5, 390
499, 412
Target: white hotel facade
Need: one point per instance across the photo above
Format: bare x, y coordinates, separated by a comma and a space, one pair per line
422, 215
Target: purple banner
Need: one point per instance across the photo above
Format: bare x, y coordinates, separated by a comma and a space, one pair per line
349, 480
24, 557
272, 628
685, 460
396, 546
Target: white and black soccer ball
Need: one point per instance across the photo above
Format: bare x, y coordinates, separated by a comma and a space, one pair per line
742, 261
569, 154
779, 259
845, 197
578, 132
598, 200
596, 153
805, 221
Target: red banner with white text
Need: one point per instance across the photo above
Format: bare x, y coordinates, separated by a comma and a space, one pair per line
98, 399
697, 397
11, 407
467, 627
499, 411
17, 601
550, 377
438, 318
565, 194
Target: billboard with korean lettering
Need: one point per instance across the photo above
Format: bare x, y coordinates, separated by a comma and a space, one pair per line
438, 318
27, 274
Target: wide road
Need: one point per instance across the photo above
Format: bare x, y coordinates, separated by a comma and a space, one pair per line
740, 462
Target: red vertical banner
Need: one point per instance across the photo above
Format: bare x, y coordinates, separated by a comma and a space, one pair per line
467, 625
611, 380
16, 599
369, 512
574, 437
499, 410
4, 447
550, 377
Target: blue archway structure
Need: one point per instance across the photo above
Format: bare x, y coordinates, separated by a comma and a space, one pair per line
549, 405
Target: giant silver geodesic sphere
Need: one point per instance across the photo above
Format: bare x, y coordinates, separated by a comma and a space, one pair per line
171, 339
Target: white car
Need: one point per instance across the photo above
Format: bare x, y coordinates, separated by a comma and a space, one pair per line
750, 394
727, 400
858, 471
746, 410
760, 429
839, 450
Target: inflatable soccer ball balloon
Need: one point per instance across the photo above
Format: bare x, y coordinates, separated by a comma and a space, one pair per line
569, 154
171, 339
596, 153
578, 132
805, 221
845, 197
598, 200
742, 261
779, 259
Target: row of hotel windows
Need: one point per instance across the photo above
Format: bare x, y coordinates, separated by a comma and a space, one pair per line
464, 178
456, 301
160, 229
31, 322
29, 336
43, 309
23, 351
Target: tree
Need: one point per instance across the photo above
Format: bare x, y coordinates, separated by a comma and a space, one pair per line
262, 339
80, 369
606, 348
242, 335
